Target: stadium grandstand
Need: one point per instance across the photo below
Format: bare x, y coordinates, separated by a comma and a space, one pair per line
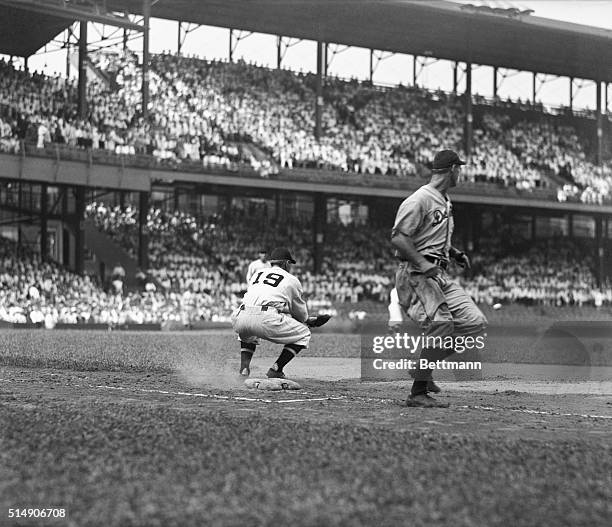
139, 191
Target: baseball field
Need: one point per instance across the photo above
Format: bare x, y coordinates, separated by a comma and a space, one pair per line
156, 429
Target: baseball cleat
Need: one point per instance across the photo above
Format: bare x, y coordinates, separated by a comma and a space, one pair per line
433, 387
424, 401
245, 372
273, 374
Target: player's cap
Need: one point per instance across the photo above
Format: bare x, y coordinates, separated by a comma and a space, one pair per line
281, 253
445, 159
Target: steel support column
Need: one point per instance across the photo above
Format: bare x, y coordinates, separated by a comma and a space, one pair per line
599, 125
599, 249
179, 43
146, 11
44, 210
476, 228
469, 118
319, 223
319, 101
143, 236
277, 206
231, 45
79, 230
20, 207
67, 43
495, 82
325, 58
82, 82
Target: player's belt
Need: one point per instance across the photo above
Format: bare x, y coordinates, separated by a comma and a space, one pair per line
258, 308
437, 261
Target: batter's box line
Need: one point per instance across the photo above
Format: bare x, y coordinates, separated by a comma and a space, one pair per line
220, 397
536, 412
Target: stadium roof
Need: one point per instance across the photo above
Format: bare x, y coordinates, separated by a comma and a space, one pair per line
23, 33
510, 38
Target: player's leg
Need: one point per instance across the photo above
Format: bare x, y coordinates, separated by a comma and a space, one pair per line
468, 319
243, 325
295, 336
423, 301
246, 354
435, 332
287, 354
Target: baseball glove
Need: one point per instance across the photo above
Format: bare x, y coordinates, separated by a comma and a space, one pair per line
319, 320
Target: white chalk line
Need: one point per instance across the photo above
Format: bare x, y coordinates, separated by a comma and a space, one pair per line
331, 398
220, 397
203, 395
536, 412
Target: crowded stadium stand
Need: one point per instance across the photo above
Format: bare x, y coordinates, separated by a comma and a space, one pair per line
227, 114
97, 150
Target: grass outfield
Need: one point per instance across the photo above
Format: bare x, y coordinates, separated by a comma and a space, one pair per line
122, 440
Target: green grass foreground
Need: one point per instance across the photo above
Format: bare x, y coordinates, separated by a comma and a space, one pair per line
146, 464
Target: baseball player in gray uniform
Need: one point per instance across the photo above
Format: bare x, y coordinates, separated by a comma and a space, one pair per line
421, 236
273, 309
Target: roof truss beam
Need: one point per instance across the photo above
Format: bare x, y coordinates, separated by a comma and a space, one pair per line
90, 12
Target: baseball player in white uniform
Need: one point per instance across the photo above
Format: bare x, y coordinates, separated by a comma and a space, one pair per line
257, 265
273, 309
421, 236
396, 318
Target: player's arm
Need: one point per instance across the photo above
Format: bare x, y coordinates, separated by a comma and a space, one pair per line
407, 222
299, 310
407, 250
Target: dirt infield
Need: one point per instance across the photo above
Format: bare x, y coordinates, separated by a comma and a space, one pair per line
117, 441
555, 401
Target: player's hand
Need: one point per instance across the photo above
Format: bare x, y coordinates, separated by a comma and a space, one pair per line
463, 260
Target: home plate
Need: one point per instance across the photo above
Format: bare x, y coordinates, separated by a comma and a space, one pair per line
272, 384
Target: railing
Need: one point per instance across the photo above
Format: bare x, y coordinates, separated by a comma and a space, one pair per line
60, 152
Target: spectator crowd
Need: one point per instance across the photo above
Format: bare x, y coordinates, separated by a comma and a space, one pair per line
236, 115
198, 268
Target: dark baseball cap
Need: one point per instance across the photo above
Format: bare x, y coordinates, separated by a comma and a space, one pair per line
281, 253
446, 159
